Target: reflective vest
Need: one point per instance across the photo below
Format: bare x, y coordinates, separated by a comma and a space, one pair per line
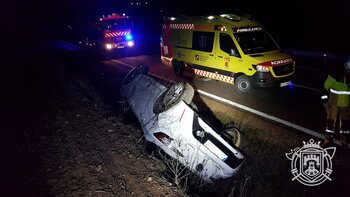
339, 91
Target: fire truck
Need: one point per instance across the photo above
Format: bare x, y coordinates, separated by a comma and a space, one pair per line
117, 31
106, 33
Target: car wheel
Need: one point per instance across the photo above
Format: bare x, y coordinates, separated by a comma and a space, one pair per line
176, 93
141, 69
178, 67
243, 84
233, 136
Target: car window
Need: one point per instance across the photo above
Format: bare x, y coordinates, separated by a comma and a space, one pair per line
227, 45
203, 41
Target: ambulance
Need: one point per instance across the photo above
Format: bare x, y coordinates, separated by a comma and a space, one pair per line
235, 49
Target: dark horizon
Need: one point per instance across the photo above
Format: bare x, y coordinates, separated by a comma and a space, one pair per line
318, 26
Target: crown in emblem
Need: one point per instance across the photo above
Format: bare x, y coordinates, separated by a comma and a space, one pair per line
311, 144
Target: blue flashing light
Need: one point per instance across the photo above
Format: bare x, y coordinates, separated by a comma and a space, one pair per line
128, 37
291, 86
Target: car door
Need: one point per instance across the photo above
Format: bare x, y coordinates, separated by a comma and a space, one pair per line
227, 55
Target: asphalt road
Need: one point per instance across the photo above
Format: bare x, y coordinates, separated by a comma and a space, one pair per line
299, 105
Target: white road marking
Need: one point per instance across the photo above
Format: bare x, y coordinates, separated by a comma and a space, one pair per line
122, 63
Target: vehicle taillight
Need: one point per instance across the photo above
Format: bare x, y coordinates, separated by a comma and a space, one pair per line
167, 141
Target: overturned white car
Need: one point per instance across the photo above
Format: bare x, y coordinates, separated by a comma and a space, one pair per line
169, 120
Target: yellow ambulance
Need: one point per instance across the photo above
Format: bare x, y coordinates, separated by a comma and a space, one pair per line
232, 48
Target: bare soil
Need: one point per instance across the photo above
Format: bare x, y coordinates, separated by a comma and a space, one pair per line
68, 143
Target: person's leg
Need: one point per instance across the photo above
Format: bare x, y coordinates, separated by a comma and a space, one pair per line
332, 112
345, 125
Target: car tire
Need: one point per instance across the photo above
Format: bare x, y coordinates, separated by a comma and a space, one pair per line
233, 135
141, 69
178, 67
176, 93
243, 84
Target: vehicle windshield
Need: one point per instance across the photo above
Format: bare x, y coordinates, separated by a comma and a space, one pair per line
255, 42
112, 24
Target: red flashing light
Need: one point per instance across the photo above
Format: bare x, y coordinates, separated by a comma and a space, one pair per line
113, 16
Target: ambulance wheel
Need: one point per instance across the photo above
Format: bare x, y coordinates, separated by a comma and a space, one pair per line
243, 84
178, 67
175, 94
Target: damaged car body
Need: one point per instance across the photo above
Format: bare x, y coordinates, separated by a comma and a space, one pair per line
170, 120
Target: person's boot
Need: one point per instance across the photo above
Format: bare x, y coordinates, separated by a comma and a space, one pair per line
327, 141
330, 127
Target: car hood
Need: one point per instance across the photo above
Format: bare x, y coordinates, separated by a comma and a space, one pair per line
269, 57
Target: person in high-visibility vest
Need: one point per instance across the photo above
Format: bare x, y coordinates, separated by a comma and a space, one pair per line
337, 105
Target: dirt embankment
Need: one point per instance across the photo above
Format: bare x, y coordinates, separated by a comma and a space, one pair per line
67, 146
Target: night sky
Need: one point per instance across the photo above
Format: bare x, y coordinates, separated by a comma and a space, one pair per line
310, 25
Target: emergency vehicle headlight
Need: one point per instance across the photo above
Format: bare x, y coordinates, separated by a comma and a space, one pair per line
109, 46
131, 43
262, 68
211, 17
128, 37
